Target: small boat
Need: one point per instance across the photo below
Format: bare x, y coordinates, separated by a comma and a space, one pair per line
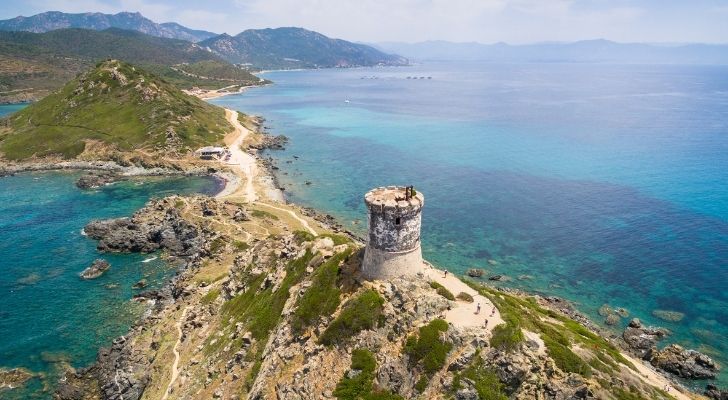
347, 101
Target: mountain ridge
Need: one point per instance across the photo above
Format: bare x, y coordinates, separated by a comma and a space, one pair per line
293, 47
53, 20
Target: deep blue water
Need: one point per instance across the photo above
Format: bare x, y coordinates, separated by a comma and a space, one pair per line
49, 315
598, 183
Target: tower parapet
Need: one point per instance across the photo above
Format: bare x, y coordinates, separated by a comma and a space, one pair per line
393, 244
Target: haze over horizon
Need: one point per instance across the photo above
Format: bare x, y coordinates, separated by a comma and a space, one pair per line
483, 21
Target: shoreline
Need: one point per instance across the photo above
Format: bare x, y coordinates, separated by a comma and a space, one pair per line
265, 178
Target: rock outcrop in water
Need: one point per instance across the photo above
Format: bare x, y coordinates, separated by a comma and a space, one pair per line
97, 179
642, 339
146, 231
689, 364
96, 269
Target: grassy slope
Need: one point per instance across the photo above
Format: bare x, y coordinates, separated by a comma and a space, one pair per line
133, 115
42, 62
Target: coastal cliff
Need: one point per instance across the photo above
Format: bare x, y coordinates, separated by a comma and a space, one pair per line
263, 308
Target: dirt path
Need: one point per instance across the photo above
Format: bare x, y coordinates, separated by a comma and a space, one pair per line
175, 364
464, 314
295, 216
247, 167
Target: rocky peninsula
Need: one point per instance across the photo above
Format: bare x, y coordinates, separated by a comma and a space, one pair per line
269, 303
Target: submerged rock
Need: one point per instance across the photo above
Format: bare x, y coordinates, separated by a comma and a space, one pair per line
476, 272
667, 315
14, 378
690, 364
96, 269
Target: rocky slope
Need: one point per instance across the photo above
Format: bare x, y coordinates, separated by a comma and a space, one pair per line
262, 310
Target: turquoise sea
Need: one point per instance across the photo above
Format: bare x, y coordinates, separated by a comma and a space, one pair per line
603, 184
49, 316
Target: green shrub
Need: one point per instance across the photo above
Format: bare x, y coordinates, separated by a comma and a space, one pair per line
303, 236
428, 348
336, 238
210, 296
263, 214
357, 315
322, 298
355, 387
360, 386
422, 383
566, 359
240, 245
217, 245
507, 336
442, 291
464, 297
484, 379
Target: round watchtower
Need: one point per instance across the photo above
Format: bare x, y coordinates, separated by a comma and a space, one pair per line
393, 247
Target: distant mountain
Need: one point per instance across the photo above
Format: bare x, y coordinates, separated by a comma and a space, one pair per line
583, 51
32, 64
52, 20
118, 105
286, 48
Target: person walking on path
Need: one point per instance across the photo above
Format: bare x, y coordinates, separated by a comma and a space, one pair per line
477, 311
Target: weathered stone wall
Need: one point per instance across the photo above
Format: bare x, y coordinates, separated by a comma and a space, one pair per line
393, 248
384, 232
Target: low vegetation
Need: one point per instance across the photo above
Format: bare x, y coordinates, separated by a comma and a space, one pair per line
358, 314
442, 291
359, 384
428, 351
558, 332
464, 297
483, 378
117, 104
323, 297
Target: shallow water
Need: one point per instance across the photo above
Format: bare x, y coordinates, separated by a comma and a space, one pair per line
49, 316
598, 183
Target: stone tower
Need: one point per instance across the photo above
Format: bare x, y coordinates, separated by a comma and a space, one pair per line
393, 247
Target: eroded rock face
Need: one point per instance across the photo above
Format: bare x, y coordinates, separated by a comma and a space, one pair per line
146, 232
96, 269
684, 363
713, 392
95, 180
641, 339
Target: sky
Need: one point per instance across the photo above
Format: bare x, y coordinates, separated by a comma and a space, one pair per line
485, 21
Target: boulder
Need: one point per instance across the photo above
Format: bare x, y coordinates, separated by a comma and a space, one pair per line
97, 268
475, 272
641, 339
714, 393
667, 315
95, 180
496, 278
140, 285
689, 364
13, 378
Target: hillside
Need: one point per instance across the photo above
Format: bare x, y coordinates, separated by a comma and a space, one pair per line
265, 311
52, 20
116, 107
285, 48
35, 63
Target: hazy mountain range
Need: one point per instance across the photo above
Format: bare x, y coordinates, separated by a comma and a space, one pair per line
52, 20
583, 51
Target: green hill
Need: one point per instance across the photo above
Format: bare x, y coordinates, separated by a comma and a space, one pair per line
285, 48
119, 105
36, 63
